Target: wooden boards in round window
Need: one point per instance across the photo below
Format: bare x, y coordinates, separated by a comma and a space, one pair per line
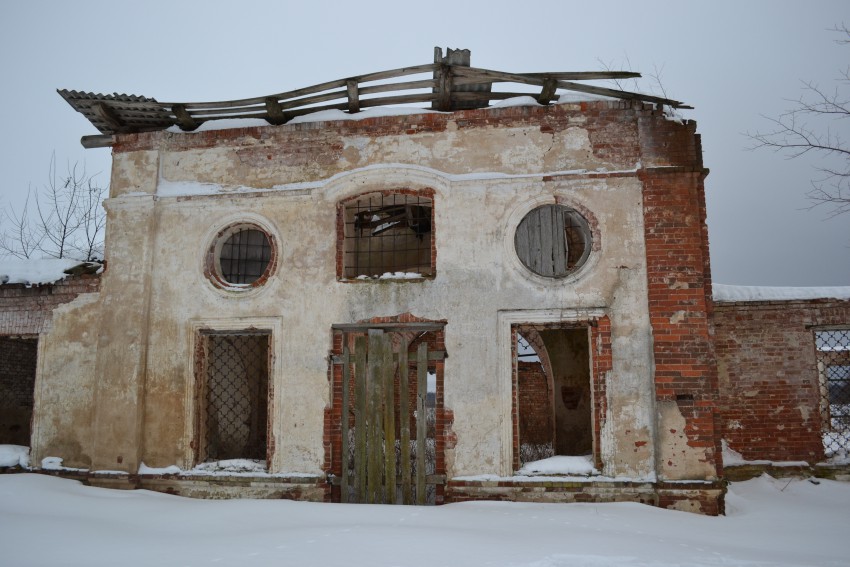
553, 241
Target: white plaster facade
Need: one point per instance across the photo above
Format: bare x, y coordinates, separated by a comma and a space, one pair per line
171, 196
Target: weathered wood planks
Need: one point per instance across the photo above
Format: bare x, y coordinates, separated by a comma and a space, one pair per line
453, 85
390, 444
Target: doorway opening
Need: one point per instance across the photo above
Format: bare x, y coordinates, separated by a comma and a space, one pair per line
18, 358
553, 392
387, 418
233, 396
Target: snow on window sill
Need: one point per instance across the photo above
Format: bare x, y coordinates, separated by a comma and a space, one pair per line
391, 276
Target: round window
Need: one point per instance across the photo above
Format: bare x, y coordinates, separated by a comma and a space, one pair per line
553, 241
242, 256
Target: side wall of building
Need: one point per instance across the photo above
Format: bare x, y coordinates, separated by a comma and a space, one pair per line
770, 387
63, 318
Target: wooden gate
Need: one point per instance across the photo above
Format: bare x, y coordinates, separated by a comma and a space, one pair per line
381, 388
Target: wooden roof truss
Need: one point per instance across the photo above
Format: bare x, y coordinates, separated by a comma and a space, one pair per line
453, 85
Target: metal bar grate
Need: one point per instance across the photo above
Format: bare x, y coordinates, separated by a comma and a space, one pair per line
833, 359
236, 392
388, 234
245, 255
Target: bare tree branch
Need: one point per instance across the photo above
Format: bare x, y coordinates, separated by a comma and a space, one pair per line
656, 86
801, 131
24, 240
68, 220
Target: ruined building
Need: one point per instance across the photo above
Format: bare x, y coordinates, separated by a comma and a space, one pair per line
343, 301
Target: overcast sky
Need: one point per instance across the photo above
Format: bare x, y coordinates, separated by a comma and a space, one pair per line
733, 61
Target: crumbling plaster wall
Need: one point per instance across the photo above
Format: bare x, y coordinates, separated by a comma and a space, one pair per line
471, 286
172, 193
64, 397
63, 317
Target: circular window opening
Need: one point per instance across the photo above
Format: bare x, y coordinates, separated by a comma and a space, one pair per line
553, 241
243, 256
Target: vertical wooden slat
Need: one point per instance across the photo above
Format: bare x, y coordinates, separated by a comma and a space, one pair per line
421, 420
353, 95
270, 394
360, 419
559, 241
202, 374
534, 255
521, 241
546, 265
374, 441
388, 375
346, 376
404, 420
547, 93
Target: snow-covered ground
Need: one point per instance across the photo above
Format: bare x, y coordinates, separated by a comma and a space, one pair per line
51, 521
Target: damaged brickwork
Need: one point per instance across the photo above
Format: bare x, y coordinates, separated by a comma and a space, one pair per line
632, 174
679, 303
770, 386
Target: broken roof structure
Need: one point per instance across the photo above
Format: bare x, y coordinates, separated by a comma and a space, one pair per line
453, 85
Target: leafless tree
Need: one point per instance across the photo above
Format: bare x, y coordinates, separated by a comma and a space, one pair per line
655, 85
22, 240
67, 221
813, 127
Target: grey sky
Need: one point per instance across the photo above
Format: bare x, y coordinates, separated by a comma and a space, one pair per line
732, 61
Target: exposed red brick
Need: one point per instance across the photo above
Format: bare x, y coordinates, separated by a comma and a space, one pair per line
679, 281
769, 384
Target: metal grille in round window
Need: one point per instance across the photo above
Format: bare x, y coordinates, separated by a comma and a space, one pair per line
244, 257
553, 241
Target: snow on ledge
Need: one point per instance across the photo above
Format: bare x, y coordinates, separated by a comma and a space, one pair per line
225, 468
393, 276
14, 455
55, 464
34, 272
573, 466
650, 478
571, 97
378, 112
732, 458
224, 124
516, 101
318, 116
724, 292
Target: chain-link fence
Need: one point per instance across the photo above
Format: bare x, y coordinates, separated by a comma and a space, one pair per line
236, 397
833, 356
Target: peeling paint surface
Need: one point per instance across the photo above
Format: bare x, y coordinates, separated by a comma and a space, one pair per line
156, 295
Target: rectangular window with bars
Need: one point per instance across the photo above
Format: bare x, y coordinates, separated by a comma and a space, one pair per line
233, 397
386, 235
833, 359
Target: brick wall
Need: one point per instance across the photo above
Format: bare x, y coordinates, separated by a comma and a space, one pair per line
679, 281
769, 385
621, 132
28, 310
535, 404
